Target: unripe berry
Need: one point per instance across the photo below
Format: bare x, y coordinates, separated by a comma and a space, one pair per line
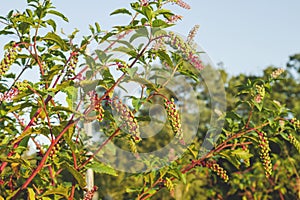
22, 86
296, 123
72, 64
9, 58
54, 151
265, 153
294, 142
129, 123
174, 118
221, 172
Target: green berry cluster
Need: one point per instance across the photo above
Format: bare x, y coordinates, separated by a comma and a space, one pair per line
294, 142
265, 153
98, 107
22, 86
90, 194
221, 172
9, 58
100, 112
72, 64
174, 118
296, 123
129, 122
54, 151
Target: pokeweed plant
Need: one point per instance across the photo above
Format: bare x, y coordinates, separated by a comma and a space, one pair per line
33, 116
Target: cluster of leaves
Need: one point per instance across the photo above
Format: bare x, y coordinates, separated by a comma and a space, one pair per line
255, 138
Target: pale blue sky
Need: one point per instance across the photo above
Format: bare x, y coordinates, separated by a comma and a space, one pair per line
246, 36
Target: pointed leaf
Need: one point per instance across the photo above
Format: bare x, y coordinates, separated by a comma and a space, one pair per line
56, 39
78, 176
121, 11
101, 168
54, 12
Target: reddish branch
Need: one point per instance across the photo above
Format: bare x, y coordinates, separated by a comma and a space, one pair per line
199, 162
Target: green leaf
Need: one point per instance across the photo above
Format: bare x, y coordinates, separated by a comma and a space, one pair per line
31, 194
182, 177
152, 191
4, 32
88, 85
131, 190
147, 11
160, 23
131, 71
174, 172
25, 134
62, 108
242, 154
12, 194
56, 39
165, 57
137, 102
101, 55
192, 151
24, 19
101, 168
259, 106
15, 159
162, 12
145, 82
78, 176
92, 29
60, 190
126, 50
71, 95
54, 12
135, 36
97, 27
121, 11
52, 23
231, 158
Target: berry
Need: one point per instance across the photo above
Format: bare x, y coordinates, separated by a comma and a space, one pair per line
72, 64
294, 142
9, 58
174, 118
265, 153
129, 122
221, 172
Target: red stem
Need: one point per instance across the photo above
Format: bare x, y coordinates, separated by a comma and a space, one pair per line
44, 159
